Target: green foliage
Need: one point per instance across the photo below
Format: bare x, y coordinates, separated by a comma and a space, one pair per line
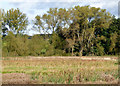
15, 20
79, 30
100, 50
15, 45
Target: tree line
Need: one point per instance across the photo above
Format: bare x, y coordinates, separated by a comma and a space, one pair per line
76, 31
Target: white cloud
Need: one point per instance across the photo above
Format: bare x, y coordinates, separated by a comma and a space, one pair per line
97, 5
51, 0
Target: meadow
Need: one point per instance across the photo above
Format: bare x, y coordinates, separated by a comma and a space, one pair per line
30, 70
83, 31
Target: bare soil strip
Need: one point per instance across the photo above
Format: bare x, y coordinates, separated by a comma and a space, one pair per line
81, 58
15, 78
104, 58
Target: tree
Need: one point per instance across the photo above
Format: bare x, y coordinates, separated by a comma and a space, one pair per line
53, 22
2, 26
67, 28
47, 21
91, 21
39, 26
15, 45
85, 29
114, 34
1, 19
15, 20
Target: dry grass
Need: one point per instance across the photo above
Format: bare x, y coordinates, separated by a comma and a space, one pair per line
59, 70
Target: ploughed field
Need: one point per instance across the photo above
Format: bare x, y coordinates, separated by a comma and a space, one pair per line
59, 70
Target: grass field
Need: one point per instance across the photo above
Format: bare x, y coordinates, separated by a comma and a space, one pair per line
29, 70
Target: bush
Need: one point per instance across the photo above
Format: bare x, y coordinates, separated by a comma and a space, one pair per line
15, 45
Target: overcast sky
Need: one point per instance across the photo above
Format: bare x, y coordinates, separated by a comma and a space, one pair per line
39, 7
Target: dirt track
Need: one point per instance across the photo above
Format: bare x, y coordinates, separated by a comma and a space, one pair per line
81, 58
105, 58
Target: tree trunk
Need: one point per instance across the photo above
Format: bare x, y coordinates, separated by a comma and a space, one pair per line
92, 53
81, 51
72, 50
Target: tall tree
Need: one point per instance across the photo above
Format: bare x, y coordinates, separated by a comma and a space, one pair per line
80, 26
47, 22
90, 19
15, 21
114, 35
3, 29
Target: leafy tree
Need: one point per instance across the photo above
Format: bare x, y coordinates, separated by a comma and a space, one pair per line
47, 22
2, 26
15, 20
77, 31
113, 39
1, 19
114, 32
15, 46
38, 24
91, 20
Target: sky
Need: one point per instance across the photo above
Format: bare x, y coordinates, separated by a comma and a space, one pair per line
38, 7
